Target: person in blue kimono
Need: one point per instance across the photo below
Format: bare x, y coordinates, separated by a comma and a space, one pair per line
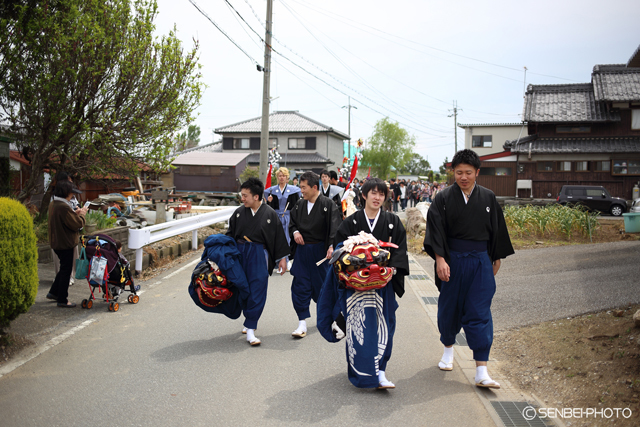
367, 318
262, 243
314, 222
282, 198
467, 237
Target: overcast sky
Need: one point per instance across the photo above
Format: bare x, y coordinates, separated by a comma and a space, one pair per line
406, 59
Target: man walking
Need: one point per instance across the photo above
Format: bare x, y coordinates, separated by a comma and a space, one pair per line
370, 316
467, 236
314, 221
261, 242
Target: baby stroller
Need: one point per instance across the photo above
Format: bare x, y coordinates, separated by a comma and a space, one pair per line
115, 275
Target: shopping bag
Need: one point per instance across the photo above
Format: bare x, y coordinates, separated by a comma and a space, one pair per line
82, 264
98, 273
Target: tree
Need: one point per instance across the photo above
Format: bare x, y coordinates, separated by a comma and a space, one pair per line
188, 139
443, 167
87, 88
416, 166
389, 145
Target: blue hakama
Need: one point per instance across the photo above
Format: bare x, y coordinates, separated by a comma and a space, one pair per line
253, 258
307, 277
465, 302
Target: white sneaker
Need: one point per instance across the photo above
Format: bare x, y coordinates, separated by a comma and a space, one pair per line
71, 281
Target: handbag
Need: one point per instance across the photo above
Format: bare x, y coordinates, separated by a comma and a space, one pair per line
82, 263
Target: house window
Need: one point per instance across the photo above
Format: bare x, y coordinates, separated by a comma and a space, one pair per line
602, 166
273, 142
635, 119
573, 129
563, 166
626, 167
582, 166
483, 141
296, 143
545, 166
241, 143
495, 171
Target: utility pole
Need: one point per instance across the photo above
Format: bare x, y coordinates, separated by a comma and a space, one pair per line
349, 107
264, 132
455, 123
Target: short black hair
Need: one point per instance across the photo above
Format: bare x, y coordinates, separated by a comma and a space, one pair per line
311, 179
392, 180
377, 184
325, 172
467, 157
118, 244
63, 189
255, 187
333, 175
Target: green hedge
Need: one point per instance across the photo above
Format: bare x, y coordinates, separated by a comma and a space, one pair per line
18, 261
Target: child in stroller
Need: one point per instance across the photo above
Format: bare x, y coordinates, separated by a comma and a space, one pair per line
118, 277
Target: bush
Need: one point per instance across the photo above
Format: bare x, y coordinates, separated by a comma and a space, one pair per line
18, 261
101, 220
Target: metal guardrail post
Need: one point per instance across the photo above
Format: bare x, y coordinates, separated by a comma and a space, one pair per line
139, 238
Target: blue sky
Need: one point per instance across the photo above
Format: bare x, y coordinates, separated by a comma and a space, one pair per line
408, 59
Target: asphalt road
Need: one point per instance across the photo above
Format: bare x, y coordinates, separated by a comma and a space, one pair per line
165, 362
537, 285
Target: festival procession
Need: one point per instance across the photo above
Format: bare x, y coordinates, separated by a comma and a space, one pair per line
352, 262
297, 213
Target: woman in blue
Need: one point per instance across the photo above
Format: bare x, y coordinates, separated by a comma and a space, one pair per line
282, 198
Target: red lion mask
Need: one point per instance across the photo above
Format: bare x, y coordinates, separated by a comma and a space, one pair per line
365, 267
211, 285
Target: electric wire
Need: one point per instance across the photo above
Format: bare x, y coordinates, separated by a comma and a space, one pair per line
223, 32
319, 10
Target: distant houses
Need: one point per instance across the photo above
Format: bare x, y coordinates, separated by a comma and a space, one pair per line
585, 134
303, 143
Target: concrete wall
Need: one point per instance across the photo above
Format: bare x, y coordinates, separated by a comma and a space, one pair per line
117, 233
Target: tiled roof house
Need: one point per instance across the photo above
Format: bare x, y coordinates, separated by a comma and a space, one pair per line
586, 133
303, 143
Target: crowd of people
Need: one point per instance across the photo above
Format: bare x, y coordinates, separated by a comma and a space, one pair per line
307, 229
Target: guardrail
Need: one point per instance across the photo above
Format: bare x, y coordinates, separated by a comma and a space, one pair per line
139, 238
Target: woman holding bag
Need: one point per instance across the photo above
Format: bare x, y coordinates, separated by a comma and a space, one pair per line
64, 224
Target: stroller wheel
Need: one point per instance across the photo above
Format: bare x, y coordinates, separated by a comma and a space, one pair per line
84, 303
130, 299
114, 306
89, 303
135, 299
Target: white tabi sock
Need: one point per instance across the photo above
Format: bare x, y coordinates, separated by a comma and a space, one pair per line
381, 376
302, 326
250, 335
447, 356
481, 373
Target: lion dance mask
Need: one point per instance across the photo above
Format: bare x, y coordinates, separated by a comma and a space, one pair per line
361, 264
211, 285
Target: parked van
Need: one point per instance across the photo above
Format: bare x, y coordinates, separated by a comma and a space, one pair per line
595, 198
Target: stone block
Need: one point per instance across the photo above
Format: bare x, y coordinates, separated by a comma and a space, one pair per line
175, 250
185, 246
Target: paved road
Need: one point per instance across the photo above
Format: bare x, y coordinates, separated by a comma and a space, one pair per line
165, 362
537, 285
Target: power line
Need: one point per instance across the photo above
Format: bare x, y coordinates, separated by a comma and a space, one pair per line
425, 45
222, 31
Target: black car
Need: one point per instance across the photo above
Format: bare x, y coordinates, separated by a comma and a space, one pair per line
593, 198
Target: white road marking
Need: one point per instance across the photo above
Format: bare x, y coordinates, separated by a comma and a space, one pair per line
46, 346
194, 262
